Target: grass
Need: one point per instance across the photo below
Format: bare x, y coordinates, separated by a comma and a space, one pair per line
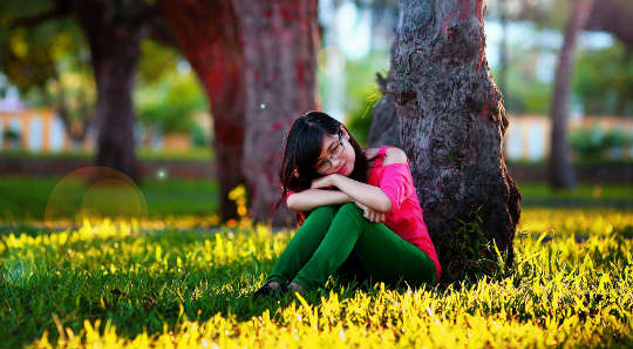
25, 199
115, 284
195, 154
536, 191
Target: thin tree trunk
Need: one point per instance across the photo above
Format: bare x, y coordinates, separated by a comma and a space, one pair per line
208, 34
561, 173
453, 126
114, 46
503, 52
280, 41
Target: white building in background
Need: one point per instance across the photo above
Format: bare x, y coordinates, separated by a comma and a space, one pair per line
36, 131
528, 136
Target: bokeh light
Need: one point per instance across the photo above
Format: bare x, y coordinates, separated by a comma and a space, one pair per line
331, 60
161, 174
95, 193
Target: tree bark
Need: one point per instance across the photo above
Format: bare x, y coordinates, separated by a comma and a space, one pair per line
280, 38
453, 126
114, 41
208, 34
561, 173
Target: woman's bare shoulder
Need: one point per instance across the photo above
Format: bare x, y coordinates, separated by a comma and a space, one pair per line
395, 155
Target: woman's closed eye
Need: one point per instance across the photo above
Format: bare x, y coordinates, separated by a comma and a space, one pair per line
335, 150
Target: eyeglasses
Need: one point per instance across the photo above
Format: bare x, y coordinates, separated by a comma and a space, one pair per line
325, 166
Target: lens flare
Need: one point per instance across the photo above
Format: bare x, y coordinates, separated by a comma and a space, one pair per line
95, 193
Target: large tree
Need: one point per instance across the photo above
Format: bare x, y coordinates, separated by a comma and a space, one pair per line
453, 126
208, 34
279, 38
257, 62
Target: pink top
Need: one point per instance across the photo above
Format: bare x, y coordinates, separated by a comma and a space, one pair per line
405, 218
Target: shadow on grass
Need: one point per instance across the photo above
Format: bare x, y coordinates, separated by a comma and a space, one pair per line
135, 302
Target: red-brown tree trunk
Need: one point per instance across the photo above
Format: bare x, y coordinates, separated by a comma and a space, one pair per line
453, 126
208, 34
114, 45
561, 172
280, 40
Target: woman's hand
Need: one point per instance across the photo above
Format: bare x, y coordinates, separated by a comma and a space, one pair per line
324, 182
371, 215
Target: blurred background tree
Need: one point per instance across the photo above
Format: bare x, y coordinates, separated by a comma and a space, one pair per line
49, 63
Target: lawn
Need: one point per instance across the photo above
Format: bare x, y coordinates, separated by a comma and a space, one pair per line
27, 198
139, 284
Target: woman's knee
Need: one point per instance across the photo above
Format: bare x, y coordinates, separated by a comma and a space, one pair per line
323, 212
350, 208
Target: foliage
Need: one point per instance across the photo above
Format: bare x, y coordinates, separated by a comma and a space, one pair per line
468, 253
603, 80
199, 137
591, 143
361, 91
166, 96
523, 92
49, 62
11, 135
116, 284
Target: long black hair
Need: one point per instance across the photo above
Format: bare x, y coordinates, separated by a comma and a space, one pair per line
303, 149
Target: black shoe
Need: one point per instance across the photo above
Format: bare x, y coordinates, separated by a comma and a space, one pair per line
267, 291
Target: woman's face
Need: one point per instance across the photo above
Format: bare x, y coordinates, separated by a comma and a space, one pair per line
337, 155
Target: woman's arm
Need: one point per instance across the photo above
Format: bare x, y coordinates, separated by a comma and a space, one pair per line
366, 194
311, 198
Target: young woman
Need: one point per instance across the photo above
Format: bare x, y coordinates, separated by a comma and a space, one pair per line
363, 215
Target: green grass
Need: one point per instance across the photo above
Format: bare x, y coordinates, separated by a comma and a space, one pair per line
113, 284
26, 198
196, 154
584, 191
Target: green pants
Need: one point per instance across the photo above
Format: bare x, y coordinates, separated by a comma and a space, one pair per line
338, 239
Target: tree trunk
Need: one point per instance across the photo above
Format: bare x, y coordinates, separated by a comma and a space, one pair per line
453, 126
208, 35
280, 39
114, 46
561, 173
